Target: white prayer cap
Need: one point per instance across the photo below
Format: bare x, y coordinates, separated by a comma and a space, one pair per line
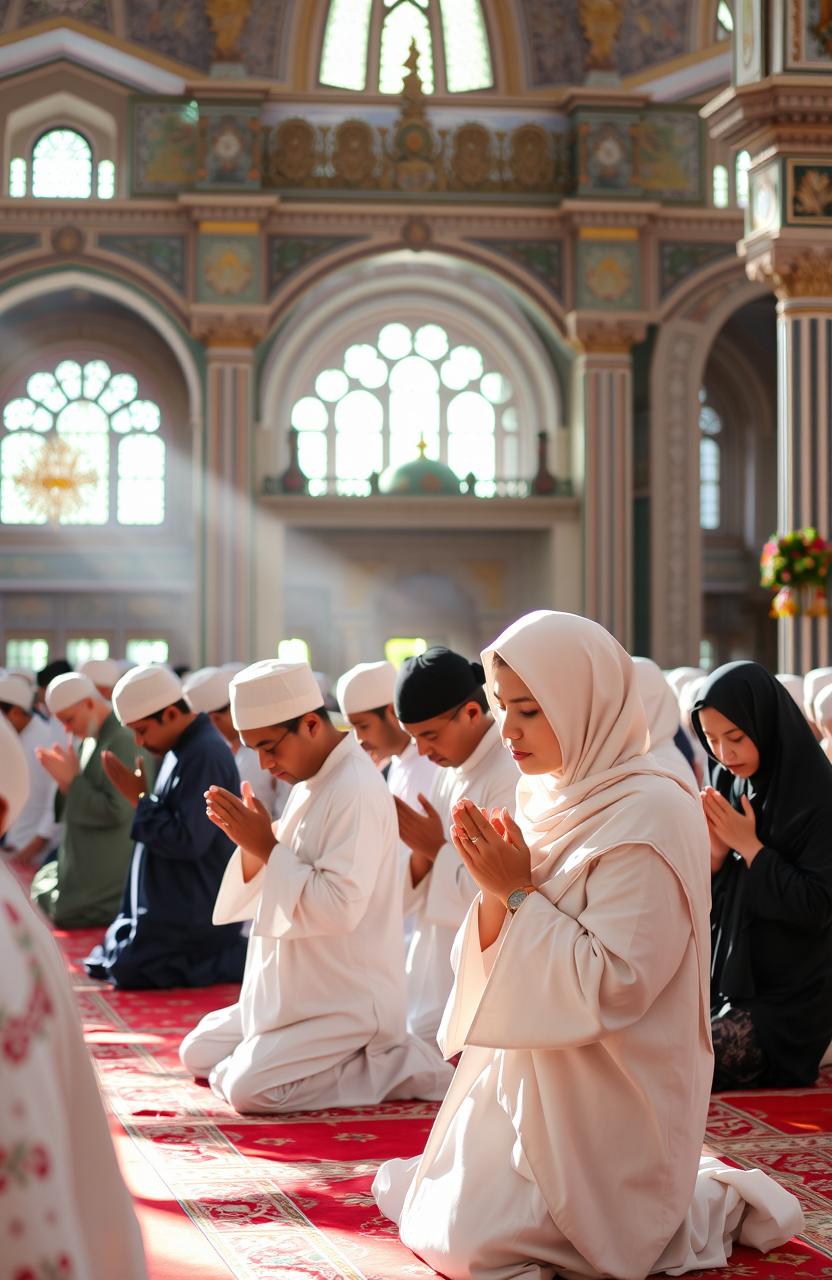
25, 673
16, 691
142, 691
65, 691
813, 682
271, 692
823, 708
793, 685
207, 689
14, 774
366, 687
102, 671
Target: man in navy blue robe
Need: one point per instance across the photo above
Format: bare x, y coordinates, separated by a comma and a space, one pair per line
163, 935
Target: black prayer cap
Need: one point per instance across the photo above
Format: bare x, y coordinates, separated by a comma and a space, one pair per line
58, 667
437, 680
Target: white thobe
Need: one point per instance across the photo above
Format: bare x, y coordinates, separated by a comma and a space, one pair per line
441, 899
618, 1018
321, 1017
270, 791
38, 816
411, 775
66, 1209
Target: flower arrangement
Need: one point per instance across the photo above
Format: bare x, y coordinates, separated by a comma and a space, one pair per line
796, 566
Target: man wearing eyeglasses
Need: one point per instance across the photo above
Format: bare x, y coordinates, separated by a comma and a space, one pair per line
441, 703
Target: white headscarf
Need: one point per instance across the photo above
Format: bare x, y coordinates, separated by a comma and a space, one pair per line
663, 720
610, 792
793, 685
678, 677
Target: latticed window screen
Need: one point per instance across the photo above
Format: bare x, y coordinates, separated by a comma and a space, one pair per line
403, 384
364, 34
112, 428
62, 167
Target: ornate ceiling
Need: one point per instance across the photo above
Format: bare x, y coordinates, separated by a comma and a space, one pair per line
538, 44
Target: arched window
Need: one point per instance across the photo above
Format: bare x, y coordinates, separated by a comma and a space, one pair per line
63, 167
741, 166
724, 20
720, 187
710, 426
364, 35
399, 386
100, 439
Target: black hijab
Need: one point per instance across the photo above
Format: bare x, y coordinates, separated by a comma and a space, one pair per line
794, 781
791, 795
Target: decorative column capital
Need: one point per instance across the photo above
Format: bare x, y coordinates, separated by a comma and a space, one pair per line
235, 329
592, 334
793, 271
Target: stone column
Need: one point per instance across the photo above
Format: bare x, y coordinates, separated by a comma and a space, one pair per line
226, 498
802, 280
603, 421
781, 111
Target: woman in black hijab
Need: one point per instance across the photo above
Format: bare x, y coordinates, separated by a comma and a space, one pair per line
769, 813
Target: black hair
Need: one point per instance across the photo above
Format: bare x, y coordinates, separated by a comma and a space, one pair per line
57, 667
292, 725
481, 698
6, 707
179, 705
181, 670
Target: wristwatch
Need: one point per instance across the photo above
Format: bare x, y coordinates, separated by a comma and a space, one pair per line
517, 897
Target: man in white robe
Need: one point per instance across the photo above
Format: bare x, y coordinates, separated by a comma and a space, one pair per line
365, 696
35, 832
208, 690
65, 1211
321, 1017
440, 700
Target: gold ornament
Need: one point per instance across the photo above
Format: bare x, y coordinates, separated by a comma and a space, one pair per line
601, 20
55, 481
227, 19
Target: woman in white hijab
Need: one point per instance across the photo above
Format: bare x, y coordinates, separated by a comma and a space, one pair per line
570, 1139
663, 721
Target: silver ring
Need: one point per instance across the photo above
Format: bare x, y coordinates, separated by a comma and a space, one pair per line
473, 839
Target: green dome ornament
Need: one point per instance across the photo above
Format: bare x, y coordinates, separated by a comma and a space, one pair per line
424, 477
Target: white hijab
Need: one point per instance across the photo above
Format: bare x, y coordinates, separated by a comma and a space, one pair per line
610, 791
678, 677
663, 720
823, 718
793, 685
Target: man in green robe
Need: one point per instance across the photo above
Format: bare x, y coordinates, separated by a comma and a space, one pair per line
83, 887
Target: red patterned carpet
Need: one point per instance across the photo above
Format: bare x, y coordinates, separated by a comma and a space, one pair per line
223, 1196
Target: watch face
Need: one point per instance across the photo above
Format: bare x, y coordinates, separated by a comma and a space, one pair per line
227, 145
516, 899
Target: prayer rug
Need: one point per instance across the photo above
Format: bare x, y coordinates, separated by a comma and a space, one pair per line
288, 1197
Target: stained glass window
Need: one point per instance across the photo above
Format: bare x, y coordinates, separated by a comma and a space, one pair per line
399, 385
62, 167
141, 651
720, 186
724, 20
364, 34
710, 426
112, 434
31, 653
81, 649
743, 164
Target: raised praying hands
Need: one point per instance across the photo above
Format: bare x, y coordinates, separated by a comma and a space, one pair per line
61, 763
492, 848
730, 829
132, 783
247, 822
422, 833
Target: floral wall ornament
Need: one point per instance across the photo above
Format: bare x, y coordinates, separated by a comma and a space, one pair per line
227, 19
601, 21
56, 480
